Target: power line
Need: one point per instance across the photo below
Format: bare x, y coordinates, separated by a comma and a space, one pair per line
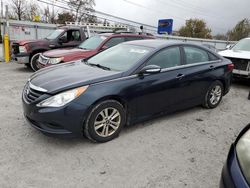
115, 21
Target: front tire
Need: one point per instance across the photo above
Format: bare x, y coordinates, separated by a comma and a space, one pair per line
214, 95
105, 121
33, 62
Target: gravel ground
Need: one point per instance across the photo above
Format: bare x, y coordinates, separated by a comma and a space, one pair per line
185, 149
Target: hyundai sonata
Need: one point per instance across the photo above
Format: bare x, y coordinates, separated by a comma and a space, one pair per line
125, 84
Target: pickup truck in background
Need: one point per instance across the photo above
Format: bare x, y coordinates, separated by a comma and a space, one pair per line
239, 54
27, 51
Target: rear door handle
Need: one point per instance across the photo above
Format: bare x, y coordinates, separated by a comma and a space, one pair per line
180, 76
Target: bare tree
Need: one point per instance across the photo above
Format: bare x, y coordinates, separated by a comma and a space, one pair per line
50, 17
19, 8
32, 11
83, 9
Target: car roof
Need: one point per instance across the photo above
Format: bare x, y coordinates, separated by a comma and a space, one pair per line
155, 43
125, 35
160, 43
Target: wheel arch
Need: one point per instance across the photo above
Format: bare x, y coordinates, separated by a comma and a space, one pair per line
35, 52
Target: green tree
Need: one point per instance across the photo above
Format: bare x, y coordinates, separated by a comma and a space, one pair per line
241, 30
65, 17
195, 28
83, 9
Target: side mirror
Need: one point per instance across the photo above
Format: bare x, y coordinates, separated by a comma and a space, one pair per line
229, 46
63, 40
150, 69
104, 47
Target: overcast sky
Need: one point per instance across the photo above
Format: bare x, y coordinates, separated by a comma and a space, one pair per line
221, 15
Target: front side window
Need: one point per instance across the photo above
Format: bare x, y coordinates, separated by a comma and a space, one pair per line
133, 38
195, 55
167, 58
114, 41
55, 34
92, 43
120, 58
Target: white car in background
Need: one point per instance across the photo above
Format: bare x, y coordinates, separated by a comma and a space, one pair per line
239, 54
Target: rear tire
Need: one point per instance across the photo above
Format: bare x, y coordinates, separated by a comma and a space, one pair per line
105, 121
214, 95
33, 62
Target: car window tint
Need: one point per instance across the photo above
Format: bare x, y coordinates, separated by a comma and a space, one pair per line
114, 41
195, 55
167, 58
73, 35
133, 38
76, 35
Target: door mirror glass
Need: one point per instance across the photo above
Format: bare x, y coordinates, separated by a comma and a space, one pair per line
150, 69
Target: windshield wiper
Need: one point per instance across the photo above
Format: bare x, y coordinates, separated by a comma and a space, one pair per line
99, 66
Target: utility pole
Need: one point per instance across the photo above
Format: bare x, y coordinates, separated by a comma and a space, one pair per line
1, 20
7, 19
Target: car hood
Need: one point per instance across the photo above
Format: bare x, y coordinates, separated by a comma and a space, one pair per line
67, 52
70, 75
24, 42
235, 54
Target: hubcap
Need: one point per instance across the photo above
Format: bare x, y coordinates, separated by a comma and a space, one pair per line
215, 95
107, 122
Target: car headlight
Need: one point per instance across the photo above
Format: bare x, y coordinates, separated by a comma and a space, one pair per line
54, 61
63, 98
22, 49
243, 154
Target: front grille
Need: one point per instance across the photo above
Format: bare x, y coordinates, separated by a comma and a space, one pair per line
15, 48
31, 95
240, 64
43, 60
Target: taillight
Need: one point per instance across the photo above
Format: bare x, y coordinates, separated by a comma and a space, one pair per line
230, 67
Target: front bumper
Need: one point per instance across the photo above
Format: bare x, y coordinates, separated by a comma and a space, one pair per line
65, 121
232, 176
22, 58
241, 73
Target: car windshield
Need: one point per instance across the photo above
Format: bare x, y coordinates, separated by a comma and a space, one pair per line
119, 58
242, 45
92, 43
55, 34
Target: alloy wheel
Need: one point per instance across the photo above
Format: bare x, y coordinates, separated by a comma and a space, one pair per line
215, 95
107, 122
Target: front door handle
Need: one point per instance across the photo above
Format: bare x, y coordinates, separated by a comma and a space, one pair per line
180, 76
212, 67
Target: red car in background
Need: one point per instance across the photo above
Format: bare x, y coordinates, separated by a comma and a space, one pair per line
87, 49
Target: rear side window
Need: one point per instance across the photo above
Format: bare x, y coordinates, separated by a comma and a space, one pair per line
195, 55
133, 38
166, 58
114, 41
213, 57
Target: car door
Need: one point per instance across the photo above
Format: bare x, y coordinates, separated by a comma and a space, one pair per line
162, 91
201, 68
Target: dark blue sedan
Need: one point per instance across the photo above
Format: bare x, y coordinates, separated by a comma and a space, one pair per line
236, 172
123, 85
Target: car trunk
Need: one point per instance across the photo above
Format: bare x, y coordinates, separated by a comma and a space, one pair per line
240, 64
